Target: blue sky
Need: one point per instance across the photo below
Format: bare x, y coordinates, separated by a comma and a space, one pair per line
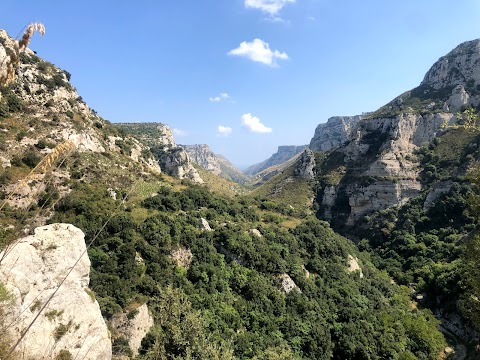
266, 71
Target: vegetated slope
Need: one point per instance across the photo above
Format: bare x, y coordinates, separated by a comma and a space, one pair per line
431, 242
289, 187
219, 184
202, 155
250, 284
265, 283
400, 182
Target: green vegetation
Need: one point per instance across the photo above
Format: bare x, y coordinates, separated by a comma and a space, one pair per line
288, 190
434, 249
228, 303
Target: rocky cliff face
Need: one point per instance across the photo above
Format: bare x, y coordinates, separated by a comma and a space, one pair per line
9, 58
217, 164
72, 321
173, 159
305, 165
372, 164
333, 133
381, 167
283, 154
203, 156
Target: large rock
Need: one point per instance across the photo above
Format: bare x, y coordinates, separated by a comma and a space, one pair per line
286, 283
72, 321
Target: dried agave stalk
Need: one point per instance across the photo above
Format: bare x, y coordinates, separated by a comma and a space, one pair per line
43, 166
46, 163
27, 35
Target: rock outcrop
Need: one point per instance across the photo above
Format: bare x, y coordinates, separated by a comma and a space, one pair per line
333, 133
72, 321
202, 155
305, 165
9, 58
183, 256
204, 225
133, 326
354, 266
458, 67
286, 283
283, 154
173, 159
383, 170
373, 163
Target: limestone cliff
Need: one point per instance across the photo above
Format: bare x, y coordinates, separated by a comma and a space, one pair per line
202, 155
372, 162
72, 321
172, 158
333, 133
305, 165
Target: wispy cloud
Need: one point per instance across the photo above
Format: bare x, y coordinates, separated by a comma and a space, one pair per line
219, 98
224, 130
253, 124
271, 7
179, 132
259, 51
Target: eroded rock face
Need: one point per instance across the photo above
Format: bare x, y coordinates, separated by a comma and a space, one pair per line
333, 133
204, 225
72, 320
381, 153
9, 57
456, 68
203, 156
305, 165
176, 162
173, 159
133, 326
379, 195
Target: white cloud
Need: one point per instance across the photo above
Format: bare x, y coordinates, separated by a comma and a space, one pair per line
271, 7
259, 51
221, 97
253, 124
179, 132
224, 130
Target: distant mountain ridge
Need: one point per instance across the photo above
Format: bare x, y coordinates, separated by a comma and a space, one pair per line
202, 155
283, 154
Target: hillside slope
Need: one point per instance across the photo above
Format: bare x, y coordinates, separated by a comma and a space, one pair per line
220, 278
